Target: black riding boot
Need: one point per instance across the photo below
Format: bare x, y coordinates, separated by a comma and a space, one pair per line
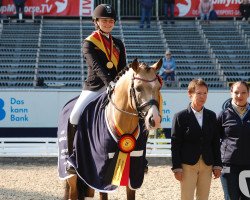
72, 128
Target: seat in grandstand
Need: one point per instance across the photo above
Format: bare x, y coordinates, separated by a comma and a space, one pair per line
18, 52
145, 44
60, 58
230, 49
87, 28
245, 27
191, 54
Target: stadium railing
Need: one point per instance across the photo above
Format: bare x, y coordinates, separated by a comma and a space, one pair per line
48, 147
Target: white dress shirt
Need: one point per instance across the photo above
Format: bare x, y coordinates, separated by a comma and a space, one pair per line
198, 115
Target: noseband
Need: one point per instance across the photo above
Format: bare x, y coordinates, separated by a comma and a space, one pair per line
139, 108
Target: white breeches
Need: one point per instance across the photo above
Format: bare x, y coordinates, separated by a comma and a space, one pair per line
83, 100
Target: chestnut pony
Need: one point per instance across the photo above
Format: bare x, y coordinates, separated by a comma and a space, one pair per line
104, 160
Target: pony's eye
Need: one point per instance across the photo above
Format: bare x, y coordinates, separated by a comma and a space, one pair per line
138, 89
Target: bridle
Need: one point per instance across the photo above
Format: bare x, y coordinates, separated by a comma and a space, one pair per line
140, 108
141, 113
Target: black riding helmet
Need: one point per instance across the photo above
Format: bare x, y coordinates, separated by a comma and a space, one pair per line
104, 11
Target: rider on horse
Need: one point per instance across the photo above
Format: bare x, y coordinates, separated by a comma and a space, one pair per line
105, 56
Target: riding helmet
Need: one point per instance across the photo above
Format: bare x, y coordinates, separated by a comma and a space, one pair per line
104, 11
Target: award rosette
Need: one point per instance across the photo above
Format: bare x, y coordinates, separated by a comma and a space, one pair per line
126, 143
121, 160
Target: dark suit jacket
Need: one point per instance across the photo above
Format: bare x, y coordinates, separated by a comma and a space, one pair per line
190, 141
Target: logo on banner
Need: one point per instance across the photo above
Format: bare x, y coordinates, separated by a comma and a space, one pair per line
243, 183
18, 110
61, 5
166, 118
2, 111
184, 7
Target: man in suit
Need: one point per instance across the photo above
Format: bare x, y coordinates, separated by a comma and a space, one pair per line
195, 144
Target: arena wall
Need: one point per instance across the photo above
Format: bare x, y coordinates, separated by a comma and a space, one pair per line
34, 113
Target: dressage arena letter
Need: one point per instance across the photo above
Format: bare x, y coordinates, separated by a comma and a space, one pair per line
244, 187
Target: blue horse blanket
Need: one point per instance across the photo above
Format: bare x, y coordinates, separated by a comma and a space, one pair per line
94, 145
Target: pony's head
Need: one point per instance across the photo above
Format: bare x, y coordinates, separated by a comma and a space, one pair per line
137, 93
145, 92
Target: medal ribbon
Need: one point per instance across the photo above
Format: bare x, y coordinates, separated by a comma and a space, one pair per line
105, 43
106, 46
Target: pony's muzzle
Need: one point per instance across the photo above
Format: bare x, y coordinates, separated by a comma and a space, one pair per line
153, 118
153, 123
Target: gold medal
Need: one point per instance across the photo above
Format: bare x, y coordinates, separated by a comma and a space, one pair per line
110, 65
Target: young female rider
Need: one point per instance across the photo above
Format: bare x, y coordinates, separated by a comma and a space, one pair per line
104, 55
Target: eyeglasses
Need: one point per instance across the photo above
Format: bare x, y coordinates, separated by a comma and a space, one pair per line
168, 54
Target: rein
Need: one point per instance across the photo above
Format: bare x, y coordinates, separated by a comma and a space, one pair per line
124, 111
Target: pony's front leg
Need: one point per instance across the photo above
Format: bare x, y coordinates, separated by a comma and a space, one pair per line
73, 192
103, 196
66, 191
130, 194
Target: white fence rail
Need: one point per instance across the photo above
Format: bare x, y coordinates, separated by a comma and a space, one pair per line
28, 147
158, 147
47, 147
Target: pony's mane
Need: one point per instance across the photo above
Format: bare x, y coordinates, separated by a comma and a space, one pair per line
125, 69
120, 74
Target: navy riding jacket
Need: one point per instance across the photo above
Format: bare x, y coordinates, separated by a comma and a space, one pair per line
235, 137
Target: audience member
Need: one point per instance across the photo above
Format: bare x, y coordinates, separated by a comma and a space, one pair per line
245, 10
195, 145
206, 10
234, 129
1, 3
169, 6
20, 8
167, 71
146, 12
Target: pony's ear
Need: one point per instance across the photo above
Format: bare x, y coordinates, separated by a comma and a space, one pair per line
157, 65
135, 65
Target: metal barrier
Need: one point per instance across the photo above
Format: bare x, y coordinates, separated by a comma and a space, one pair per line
28, 147
132, 8
48, 147
158, 147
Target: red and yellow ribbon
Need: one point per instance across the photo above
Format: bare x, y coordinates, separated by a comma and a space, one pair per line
126, 145
106, 46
